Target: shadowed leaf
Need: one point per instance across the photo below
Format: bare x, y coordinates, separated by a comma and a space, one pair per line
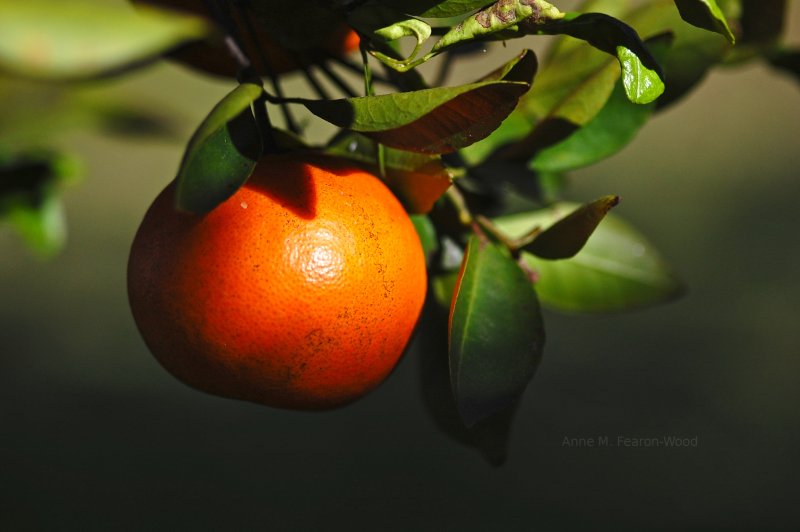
705, 14
221, 154
496, 334
567, 236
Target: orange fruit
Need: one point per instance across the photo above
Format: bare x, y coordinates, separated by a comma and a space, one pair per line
259, 47
300, 291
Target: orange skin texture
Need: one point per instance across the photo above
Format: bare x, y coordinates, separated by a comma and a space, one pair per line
214, 58
300, 291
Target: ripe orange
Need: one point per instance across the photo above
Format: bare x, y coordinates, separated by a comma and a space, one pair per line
214, 58
300, 291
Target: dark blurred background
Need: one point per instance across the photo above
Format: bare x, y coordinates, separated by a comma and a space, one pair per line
94, 435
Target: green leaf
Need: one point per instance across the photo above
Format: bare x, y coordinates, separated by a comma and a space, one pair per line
29, 201
605, 134
222, 152
79, 39
707, 15
570, 90
496, 334
438, 120
427, 235
641, 73
489, 436
617, 269
566, 237
417, 179
502, 15
608, 132
693, 51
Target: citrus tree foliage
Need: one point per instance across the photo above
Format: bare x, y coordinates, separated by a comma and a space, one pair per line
454, 155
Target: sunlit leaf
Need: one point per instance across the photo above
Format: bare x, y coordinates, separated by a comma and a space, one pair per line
570, 90
641, 73
53, 39
617, 269
438, 120
496, 334
692, 53
605, 134
613, 127
705, 14
222, 152
501, 15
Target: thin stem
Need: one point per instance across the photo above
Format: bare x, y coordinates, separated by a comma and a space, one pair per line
369, 89
243, 12
359, 69
453, 194
245, 74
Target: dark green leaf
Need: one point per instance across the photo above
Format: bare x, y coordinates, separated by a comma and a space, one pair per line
53, 39
496, 334
489, 436
221, 154
617, 269
438, 120
566, 237
705, 14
